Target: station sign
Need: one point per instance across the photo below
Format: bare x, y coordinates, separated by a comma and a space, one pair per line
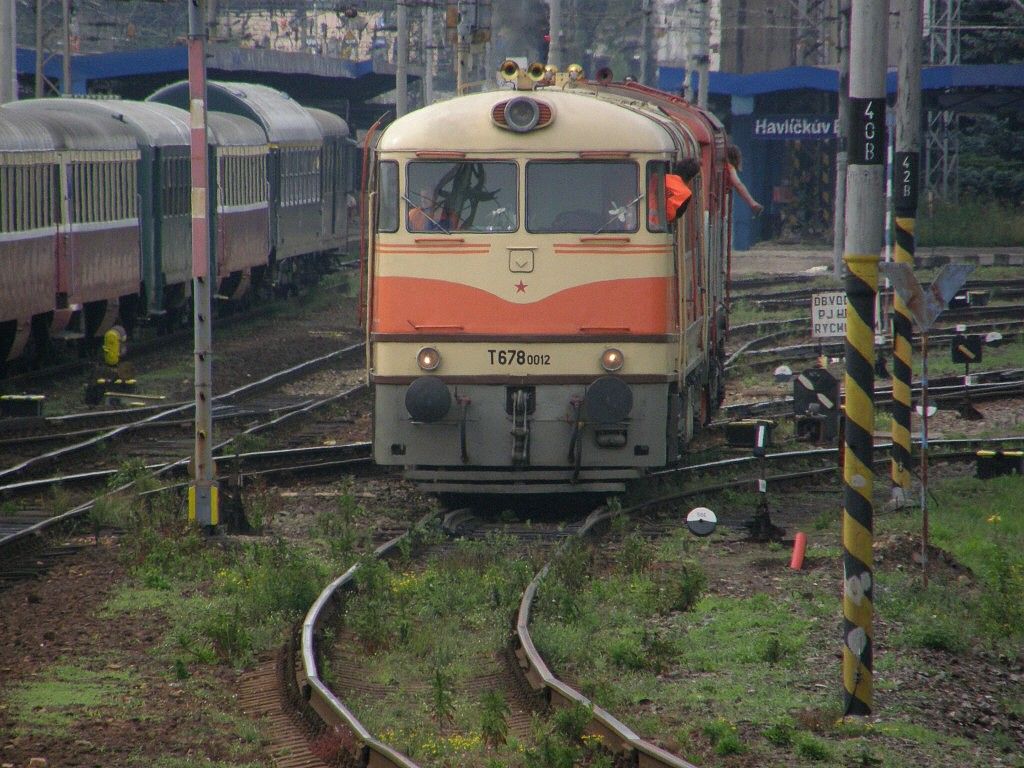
803, 127
828, 314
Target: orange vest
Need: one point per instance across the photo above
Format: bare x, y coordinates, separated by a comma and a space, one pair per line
676, 195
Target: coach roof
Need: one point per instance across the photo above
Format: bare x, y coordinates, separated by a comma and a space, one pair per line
77, 129
284, 120
20, 132
580, 122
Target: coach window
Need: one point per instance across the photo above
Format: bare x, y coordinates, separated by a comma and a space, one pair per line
605, 196
465, 195
387, 197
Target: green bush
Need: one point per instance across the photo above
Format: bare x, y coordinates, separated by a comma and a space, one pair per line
810, 747
680, 590
723, 737
636, 553
627, 653
572, 721
229, 634
780, 734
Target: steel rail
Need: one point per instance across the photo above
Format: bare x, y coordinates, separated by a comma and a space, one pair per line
170, 466
317, 693
615, 734
247, 389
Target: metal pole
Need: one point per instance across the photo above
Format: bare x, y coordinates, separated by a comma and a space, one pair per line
842, 132
39, 49
202, 497
864, 233
8, 53
555, 33
402, 63
924, 457
428, 56
66, 58
905, 191
462, 47
705, 56
645, 17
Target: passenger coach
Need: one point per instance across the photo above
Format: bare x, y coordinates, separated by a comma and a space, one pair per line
534, 322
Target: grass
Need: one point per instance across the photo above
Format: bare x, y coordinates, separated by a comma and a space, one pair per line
970, 223
64, 693
741, 675
425, 634
1009, 354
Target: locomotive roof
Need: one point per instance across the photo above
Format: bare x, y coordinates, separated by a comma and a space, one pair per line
285, 121
227, 130
330, 124
75, 128
581, 122
20, 132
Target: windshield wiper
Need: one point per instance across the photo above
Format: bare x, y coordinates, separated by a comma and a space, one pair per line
423, 210
619, 212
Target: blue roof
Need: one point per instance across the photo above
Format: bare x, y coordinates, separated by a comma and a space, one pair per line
824, 79
156, 61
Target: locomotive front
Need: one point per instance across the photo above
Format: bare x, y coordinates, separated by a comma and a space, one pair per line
525, 295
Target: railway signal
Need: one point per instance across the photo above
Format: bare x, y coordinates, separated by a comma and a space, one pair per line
816, 405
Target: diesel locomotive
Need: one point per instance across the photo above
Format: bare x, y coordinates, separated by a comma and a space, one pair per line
535, 322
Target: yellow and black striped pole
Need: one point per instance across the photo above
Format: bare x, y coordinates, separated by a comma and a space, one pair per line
905, 193
865, 217
902, 351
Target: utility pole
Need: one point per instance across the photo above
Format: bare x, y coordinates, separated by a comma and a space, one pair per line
555, 33
905, 191
8, 52
842, 132
865, 208
66, 58
402, 63
39, 49
463, 31
704, 57
428, 55
202, 495
645, 34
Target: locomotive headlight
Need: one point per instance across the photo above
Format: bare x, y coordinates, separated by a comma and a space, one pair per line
612, 359
428, 359
522, 114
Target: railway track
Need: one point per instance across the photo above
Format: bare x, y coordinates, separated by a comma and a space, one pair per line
329, 700
245, 410
549, 692
752, 355
944, 391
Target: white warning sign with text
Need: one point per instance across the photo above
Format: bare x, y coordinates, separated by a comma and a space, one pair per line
828, 314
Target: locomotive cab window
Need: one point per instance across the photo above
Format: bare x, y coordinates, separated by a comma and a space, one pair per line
656, 217
589, 197
387, 197
468, 196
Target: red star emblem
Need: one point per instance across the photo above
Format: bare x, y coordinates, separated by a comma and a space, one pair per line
520, 287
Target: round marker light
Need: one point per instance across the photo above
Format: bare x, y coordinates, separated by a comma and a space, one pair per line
428, 359
522, 114
612, 360
701, 521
